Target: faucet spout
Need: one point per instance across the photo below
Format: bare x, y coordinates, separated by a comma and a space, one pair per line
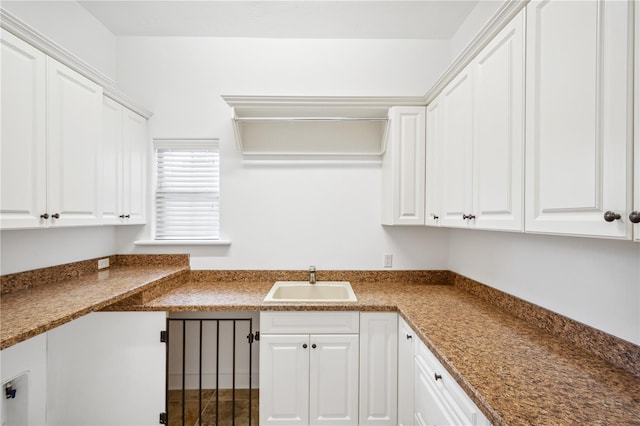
312, 274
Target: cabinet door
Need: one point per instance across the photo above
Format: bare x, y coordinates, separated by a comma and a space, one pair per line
636, 184
432, 172
134, 167
403, 168
333, 379
577, 117
430, 408
107, 368
112, 163
456, 150
498, 130
284, 379
74, 147
378, 368
23, 139
405, 373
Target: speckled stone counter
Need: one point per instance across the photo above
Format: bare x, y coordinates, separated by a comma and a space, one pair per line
519, 363
515, 371
40, 300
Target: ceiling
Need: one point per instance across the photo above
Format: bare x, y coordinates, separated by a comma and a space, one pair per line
370, 19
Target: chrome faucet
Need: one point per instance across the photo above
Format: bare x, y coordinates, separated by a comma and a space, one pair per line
312, 274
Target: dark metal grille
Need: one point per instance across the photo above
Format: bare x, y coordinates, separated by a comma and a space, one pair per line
191, 339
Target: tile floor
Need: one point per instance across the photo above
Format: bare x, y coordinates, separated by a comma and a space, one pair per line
207, 416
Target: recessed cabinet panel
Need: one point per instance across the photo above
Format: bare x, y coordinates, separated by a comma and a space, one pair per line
23, 153
456, 150
134, 167
432, 184
403, 168
333, 393
74, 162
577, 96
112, 164
498, 137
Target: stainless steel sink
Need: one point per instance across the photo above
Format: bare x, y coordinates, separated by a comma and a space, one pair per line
303, 291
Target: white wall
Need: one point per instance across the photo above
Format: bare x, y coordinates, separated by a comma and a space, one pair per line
594, 281
283, 217
474, 22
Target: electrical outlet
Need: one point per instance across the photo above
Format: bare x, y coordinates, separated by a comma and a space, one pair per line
388, 260
103, 263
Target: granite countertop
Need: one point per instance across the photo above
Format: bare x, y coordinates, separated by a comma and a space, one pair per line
30, 311
515, 371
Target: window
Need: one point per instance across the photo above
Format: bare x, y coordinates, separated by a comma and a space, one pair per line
187, 190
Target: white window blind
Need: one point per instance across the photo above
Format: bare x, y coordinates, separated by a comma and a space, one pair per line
187, 193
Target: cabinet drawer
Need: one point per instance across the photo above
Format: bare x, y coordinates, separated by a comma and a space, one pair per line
451, 393
309, 322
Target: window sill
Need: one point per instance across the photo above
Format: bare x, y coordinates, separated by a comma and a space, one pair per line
182, 243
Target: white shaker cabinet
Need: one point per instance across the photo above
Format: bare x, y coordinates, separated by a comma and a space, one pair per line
432, 172
456, 150
51, 146
24, 134
124, 154
403, 168
634, 216
309, 368
578, 168
378, 368
107, 368
475, 127
498, 131
406, 338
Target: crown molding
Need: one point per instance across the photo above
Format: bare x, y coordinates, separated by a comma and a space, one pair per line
503, 15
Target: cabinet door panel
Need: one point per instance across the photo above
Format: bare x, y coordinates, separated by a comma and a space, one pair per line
406, 339
106, 368
498, 140
456, 150
378, 368
333, 387
23, 139
74, 151
112, 166
284, 379
636, 183
134, 163
577, 117
432, 184
430, 408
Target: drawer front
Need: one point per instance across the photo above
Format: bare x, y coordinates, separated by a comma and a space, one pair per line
308, 322
446, 386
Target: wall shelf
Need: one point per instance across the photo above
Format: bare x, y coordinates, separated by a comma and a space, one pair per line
313, 126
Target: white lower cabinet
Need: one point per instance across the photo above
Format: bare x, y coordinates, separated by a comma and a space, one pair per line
309, 378
406, 340
378, 368
106, 368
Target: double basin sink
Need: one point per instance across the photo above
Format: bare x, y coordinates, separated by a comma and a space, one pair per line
319, 292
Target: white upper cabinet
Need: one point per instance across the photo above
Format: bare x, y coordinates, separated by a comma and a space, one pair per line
51, 141
125, 151
498, 130
634, 216
475, 127
432, 172
74, 147
403, 168
24, 138
578, 143
456, 150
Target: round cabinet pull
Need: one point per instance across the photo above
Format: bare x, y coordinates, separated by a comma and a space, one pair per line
634, 217
121, 216
314, 346
611, 216
44, 216
435, 217
127, 216
56, 215
304, 346
437, 376
409, 336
